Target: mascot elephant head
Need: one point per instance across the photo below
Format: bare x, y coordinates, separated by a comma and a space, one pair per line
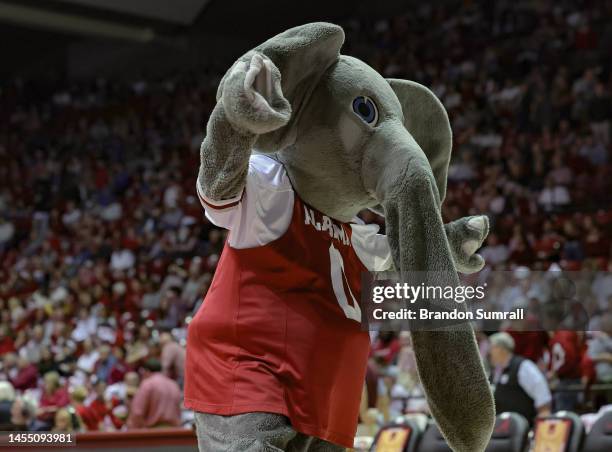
352, 140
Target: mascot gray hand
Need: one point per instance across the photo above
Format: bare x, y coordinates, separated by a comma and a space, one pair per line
465, 236
252, 96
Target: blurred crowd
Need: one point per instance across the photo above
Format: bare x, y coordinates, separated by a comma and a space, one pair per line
105, 253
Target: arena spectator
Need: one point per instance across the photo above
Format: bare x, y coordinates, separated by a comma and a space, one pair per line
170, 309
122, 258
87, 416
71, 216
105, 364
554, 195
518, 292
600, 350
529, 344
35, 342
63, 421
157, 402
172, 357
138, 350
119, 368
119, 390
406, 394
595, 152
518, 383
54, 397
86, 325
7, 396
23, 414
151, 297
494, 252
27, 375
565, 366
194, 286
602, 288
89, 357
47, 362
9, 366
98, 406
386, 347
6, 342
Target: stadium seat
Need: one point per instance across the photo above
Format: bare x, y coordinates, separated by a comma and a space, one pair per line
600, 436
560, 431
510, 433
402, 435
433, 441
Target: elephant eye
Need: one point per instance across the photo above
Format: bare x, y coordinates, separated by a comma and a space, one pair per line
365, 108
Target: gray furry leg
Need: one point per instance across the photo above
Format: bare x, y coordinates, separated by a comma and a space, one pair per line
255, 432
250, 432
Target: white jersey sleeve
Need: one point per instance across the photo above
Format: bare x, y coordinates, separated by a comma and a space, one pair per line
262, 212
371, 247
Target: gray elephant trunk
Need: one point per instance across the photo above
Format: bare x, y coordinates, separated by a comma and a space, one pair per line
421, 253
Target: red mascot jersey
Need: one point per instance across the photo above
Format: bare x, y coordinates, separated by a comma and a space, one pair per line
279, 330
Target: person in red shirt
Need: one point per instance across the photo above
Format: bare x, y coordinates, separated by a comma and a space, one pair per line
529, 344
53, 398
565, 364
99, 407
158, 400
27, 375
386, 347
120, 368
565, 354
6, 341
86, 415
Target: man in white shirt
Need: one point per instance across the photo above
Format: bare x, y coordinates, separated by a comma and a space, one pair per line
518, 383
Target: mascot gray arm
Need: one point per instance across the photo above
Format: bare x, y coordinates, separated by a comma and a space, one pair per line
249, 103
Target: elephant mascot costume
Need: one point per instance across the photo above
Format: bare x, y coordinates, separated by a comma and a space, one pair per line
300, 141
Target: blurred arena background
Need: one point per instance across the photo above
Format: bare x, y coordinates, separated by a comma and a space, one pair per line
105, 252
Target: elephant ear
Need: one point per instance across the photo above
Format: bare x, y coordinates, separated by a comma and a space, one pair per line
302, 54
427, 121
